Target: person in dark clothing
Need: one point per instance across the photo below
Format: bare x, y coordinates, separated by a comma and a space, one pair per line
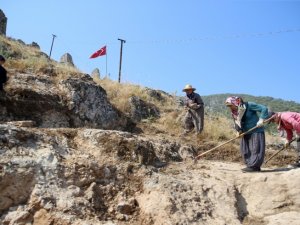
247, 115
194, 117
3, 73
3, 79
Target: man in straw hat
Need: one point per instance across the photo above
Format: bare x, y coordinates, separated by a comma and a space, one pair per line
194, 117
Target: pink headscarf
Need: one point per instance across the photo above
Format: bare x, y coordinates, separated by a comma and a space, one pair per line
233, 100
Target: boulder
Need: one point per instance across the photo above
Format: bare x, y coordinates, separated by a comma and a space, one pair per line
73, 102
139, 109
3, 23
96, 74
67, 59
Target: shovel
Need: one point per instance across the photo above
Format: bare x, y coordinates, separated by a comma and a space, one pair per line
241, 135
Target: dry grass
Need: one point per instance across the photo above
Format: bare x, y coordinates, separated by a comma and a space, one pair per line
23, 58
171, 122
218, 128
33, 64
63, 71
15, 49
26, 59
119, 94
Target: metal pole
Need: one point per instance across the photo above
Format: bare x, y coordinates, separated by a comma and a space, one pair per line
106, 62
120, 66
53, 36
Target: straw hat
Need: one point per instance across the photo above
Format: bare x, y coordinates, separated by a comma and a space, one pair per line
188, 87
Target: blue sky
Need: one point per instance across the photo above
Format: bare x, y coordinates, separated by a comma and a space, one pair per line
249, 47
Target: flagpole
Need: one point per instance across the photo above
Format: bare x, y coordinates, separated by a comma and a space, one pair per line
106, 61
120, 66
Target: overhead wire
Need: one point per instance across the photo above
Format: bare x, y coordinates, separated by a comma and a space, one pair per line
210, 38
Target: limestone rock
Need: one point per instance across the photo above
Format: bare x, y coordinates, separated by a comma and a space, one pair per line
67, 59
96, 74
74, 102
3, 23
104, 177
142, 110
127, 207
35, 45
27, 123
157, 94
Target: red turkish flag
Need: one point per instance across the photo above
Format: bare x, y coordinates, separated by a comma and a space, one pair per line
100, 52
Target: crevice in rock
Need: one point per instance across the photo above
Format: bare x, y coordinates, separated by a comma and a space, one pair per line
240, 205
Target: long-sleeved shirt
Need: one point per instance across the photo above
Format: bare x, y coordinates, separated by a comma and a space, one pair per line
289, 121
251, 116
194, 98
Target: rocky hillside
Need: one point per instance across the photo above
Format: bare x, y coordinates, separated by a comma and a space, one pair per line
74, 151
91, 176
73, 102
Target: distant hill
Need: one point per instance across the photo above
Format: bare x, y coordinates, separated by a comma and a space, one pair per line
215, 103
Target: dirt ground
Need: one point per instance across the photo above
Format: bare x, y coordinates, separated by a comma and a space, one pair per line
106, 177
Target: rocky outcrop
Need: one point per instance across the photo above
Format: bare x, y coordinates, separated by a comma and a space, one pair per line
96, 74
74, 102
218, 193
67, 59
92, 176
157, 94
3, 23
34, 45
139, 109
67, 176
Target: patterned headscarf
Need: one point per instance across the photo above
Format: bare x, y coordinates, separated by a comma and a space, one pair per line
236, 101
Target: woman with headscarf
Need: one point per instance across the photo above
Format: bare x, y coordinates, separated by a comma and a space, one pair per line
247, 115
289, 122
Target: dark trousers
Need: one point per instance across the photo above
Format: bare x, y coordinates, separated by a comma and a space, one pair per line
253, 149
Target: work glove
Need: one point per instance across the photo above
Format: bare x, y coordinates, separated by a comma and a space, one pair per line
286, 143
260, 122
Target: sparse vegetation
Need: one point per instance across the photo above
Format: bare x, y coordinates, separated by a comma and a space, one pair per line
27, 59
216, 127
24, 58
119, 94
